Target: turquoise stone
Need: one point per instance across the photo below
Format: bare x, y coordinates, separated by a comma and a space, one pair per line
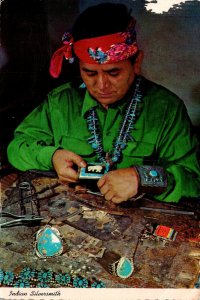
80, 282
94, 146
1, 275
22, 284
153, 173
114, 158
48, 242
98, 284
45, 276
124, 267
8, 277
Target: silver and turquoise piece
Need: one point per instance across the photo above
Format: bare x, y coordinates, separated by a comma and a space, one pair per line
124, 267
48, 242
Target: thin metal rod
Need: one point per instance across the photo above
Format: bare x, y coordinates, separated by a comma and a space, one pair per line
169, 211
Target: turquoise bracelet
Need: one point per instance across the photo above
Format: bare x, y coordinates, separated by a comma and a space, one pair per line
153, 179
30, 278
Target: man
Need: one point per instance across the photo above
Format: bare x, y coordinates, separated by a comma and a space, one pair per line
117, 117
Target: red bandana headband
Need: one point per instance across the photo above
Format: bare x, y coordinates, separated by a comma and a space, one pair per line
99, 50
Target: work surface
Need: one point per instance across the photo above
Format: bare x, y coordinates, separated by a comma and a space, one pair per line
97, 233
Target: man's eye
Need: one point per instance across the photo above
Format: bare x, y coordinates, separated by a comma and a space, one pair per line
90, 74
113, 73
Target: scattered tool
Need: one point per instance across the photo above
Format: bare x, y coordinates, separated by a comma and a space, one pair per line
19, 219
169, 211
87, 191
24, 186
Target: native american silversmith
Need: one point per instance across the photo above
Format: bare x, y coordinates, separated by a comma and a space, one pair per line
115, 117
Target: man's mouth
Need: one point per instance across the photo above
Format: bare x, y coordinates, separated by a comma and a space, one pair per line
105, 95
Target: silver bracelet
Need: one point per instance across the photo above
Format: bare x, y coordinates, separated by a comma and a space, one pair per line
152, 178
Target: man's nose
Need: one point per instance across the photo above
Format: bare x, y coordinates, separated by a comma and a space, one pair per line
103, 82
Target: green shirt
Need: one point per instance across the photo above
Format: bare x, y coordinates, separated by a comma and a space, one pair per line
162, 135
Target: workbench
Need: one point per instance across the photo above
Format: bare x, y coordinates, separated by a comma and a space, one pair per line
94, 232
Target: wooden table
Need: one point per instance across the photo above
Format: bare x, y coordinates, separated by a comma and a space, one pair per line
93, 231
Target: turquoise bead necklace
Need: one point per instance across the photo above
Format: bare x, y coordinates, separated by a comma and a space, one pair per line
124, 136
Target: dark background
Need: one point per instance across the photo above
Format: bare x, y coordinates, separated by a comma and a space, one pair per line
31, 30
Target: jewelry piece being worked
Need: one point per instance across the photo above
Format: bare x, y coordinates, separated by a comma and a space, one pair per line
93, 171
48, 242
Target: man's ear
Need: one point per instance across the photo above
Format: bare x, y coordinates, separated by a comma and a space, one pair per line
138, 62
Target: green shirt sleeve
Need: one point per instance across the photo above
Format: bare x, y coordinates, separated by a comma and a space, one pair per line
32, 146
177, 150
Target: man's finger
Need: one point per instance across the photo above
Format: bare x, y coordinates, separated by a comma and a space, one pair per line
109, 195
69, 164
77, 160
104, 189
101, 182
66, 180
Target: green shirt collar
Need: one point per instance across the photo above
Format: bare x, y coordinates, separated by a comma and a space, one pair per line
88, 103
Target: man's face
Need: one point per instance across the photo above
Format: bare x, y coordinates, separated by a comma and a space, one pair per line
108, 83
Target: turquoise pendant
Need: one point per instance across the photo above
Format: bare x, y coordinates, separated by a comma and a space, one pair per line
124, 267
48, 242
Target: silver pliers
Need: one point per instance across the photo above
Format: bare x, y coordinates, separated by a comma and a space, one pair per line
19, 219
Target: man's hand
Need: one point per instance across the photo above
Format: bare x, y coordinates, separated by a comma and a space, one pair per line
65, 164
119, 185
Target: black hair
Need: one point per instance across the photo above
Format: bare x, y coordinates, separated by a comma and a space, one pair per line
101, 19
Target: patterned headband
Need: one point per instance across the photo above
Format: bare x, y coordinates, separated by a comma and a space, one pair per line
99, 50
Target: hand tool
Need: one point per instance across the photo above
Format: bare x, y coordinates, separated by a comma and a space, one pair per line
19, 219
169, 211
87, 191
